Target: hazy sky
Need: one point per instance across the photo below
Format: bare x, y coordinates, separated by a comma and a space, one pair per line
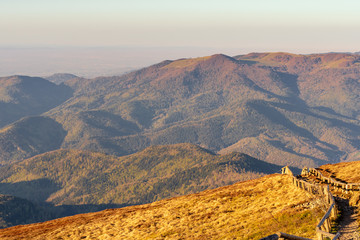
102, 37
253, 25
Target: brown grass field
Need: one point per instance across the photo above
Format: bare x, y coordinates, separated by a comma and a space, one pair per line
245, 210
346, 171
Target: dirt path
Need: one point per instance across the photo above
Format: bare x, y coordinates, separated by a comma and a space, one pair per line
348, 224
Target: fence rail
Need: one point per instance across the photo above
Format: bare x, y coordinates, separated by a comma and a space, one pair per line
285, 236
324, 226
331, 181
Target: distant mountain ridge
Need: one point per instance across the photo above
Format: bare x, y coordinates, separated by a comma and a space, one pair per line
22, 96
283, 108
59, 78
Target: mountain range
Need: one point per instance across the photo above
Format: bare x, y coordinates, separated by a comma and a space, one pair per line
177, 127
302, 108
278, 107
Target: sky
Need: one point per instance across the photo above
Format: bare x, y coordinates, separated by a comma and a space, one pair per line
188, 27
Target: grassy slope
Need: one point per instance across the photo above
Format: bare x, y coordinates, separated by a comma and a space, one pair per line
246, 210
78, 177
346, 171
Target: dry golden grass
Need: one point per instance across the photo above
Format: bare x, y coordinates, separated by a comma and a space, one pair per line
246, 210
346, 171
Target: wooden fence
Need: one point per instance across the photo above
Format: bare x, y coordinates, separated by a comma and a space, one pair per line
281, 235
333, 182
324, 226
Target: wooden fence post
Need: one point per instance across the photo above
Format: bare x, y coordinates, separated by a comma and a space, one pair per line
324, 227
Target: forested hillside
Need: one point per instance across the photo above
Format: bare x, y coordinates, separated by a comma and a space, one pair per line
78, 177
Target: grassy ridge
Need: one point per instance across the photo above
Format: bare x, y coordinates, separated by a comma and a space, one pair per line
348, 172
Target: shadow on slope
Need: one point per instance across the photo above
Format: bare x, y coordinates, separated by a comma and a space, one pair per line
28, 137
268, 109
22, 96
18, 211
37, 190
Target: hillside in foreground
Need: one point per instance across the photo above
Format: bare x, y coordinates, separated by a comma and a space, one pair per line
245, 210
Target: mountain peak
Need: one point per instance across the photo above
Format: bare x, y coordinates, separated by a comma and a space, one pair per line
16, 79
193, 62
60, 77
218, 58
